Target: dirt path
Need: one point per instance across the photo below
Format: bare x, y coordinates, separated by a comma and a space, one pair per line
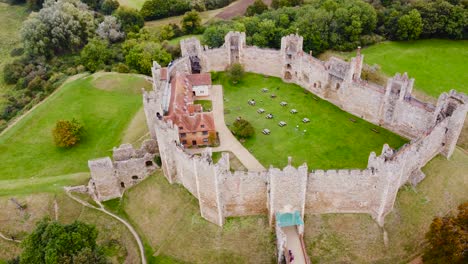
9, 239
227, 140
237, 9
102, 209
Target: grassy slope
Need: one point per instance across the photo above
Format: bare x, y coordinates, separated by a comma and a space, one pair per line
27, 149
437, 65
118, 241
168, 218
137, 4
331, 140
11, 18
356, 238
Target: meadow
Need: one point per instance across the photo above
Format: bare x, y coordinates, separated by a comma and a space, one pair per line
437, 65
333, 139
105, 103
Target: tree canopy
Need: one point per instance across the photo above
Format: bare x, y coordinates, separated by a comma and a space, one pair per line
52, 242
448, 238
60, 26
67, 133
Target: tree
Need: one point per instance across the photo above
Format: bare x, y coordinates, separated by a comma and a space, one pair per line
409, 26
95, 55
257, 7
52, 242
235, 72
67, 133
109, 6
110, 29
141, 55
191, 22
59, 26
156, 9
242, 128
130, 19
448, 238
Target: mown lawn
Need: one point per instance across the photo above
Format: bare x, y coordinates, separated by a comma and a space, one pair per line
137, 4
437, 65
104, 103
329, 141
11, 18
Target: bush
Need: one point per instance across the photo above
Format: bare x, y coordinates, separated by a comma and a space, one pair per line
67, 133
156, 9
235, 72
12, 72
157, 160
191, 22
447, 237
16, 52
257, 7
109, 6
242, 128
121, 68
130, 19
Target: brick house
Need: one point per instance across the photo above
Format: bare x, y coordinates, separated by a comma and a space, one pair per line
196, 128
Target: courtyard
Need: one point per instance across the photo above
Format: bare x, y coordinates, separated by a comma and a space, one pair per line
313, 130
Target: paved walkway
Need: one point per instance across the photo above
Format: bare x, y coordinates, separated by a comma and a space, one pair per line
227, 140
294, 244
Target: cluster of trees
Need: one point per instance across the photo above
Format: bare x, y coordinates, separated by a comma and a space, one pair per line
448, 237
242, 128
157, 9
54, 243
66, 37
344, 25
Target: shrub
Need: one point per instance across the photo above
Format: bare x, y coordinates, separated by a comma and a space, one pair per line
157, 160
12, 72
242, 128
67, 133
109, 6
16, 52
257, 7
191, 22
235, 72
130, 19
447, 237
156, 9
121, 67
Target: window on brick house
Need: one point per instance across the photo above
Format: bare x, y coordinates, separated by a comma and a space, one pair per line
182, 135
180, 128
205, 133
184, 142
202, 126
205, 140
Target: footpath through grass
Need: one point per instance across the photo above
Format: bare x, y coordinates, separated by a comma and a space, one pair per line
437, 65
104, 103
329, 141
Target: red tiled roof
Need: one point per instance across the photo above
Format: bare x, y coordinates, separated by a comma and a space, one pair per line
183, 112
200, 79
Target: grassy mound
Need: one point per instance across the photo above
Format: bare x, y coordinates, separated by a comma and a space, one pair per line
333, 138
437, 65
27, 149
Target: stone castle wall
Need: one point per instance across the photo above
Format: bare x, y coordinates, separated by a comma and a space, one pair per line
222, 193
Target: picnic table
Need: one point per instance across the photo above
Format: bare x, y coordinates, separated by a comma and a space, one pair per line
269, 116
266, 131
264, 90
305, 120
293, 111
283, 103
261, 111
282, 124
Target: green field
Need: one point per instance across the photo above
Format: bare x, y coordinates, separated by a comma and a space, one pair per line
437, 65
331, 139
11, 18
137, 4
105, 103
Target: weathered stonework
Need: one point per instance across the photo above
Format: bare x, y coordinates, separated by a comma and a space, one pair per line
221, 193
109, 179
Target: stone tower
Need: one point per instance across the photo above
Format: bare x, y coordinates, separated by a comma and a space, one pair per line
192, 49
235, 44
291, 51
398, 88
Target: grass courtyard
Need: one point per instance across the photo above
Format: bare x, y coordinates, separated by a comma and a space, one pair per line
437, 65
330, 141
105, 103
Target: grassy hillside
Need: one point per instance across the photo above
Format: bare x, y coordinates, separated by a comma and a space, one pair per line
104, 103
331, 140
437, 65
11, 18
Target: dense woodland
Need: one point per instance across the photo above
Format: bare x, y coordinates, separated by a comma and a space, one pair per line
65, 37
